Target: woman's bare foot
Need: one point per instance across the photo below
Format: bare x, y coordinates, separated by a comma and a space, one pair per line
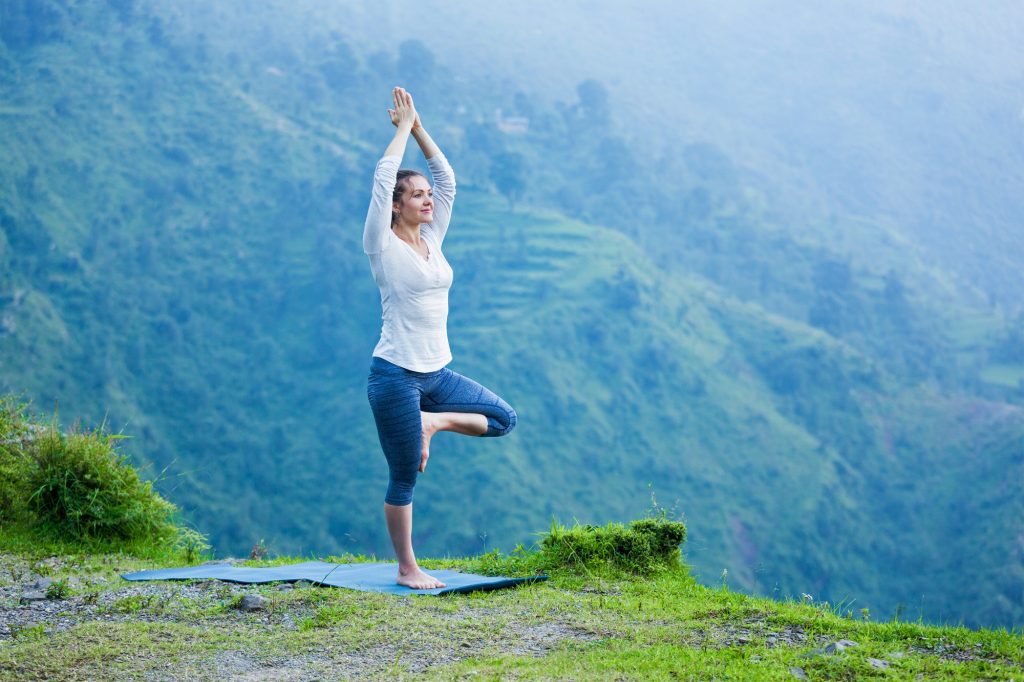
431, 424
417, 579
468, 423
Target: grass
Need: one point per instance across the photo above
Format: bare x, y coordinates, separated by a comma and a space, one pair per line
75, 492
640, 548
617, 626
599, 616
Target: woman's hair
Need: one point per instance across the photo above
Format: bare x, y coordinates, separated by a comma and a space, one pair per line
400, 187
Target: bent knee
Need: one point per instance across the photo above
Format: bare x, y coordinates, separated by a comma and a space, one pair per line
503, 424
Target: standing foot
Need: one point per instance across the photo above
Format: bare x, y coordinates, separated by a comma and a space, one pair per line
417, 579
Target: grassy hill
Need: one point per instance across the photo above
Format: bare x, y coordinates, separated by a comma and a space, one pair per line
619, 603
68, 614
600, 625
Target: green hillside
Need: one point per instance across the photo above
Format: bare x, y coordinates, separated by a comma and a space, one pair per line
617, 604
181, 217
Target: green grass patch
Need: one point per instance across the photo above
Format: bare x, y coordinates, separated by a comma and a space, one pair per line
84, 488
63, 493
596, 622
642, 547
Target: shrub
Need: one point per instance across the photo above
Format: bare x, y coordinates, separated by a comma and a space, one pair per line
642, 547
15, 431
84, 488
76, 488
58, 589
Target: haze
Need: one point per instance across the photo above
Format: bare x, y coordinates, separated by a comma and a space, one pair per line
909, 115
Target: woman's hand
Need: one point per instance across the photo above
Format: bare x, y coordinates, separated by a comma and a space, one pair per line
405, 117
404, 113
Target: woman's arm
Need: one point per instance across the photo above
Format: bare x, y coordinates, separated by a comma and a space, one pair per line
423, 139
399, 141
378, 218
443, 176
444, 185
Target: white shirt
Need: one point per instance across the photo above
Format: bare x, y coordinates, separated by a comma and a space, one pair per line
413, 291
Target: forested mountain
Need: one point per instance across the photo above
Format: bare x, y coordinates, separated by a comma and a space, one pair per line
181, 204
866, 120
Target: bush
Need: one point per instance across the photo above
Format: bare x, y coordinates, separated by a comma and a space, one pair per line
85, 489
77, 487
15, 431
641, 548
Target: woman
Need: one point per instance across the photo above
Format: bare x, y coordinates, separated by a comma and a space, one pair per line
412, 393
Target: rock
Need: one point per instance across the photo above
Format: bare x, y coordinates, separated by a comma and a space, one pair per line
833, 648
253, 602
798, 673
286, 586
302, 583
839, 647
35, 595
42, 584
878, 663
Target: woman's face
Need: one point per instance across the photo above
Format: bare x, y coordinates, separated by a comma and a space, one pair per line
417, 204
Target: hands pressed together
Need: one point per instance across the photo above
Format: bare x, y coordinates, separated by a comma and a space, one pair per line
405, 117
404, 112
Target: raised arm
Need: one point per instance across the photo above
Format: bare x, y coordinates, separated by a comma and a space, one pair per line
423, 139
377, 231
444, 181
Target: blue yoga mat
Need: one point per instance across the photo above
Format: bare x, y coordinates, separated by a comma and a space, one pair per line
366, 577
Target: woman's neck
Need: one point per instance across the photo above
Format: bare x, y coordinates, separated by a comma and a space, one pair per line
407, 233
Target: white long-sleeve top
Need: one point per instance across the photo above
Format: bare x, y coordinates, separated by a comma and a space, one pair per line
413, 291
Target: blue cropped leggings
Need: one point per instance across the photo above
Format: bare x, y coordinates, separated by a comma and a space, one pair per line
397, 395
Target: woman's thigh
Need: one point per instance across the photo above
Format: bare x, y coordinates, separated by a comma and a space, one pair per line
395, 401
453, 392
